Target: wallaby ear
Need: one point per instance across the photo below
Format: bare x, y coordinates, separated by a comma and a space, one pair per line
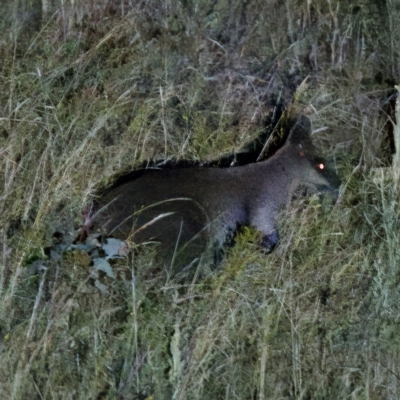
300, 133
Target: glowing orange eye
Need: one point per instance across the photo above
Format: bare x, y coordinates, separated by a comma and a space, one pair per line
321, 166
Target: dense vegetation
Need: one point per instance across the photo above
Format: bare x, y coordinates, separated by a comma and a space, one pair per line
91, 89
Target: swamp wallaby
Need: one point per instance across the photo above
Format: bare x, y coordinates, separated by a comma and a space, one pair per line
187, 209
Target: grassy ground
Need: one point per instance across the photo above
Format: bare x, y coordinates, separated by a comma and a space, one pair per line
91, 89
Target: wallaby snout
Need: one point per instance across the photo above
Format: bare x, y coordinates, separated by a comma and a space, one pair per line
189, 209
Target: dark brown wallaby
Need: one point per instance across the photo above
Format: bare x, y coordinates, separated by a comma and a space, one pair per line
184, 209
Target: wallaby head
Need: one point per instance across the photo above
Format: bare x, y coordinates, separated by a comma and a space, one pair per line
184, 209
298, 158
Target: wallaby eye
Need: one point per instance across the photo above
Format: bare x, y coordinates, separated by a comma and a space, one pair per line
321, 166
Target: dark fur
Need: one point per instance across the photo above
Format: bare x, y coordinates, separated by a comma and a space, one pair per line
192, 208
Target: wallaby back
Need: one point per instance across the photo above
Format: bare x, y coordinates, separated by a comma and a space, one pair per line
189, 209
